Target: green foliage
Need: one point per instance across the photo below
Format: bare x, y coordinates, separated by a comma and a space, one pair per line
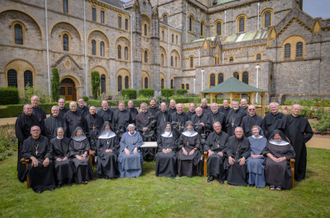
315, 102
85, 98
96, 82
14, 110
9, 95
55, 83
128, 93
8, 142
167, 92
41, 92
149, 93
181, 91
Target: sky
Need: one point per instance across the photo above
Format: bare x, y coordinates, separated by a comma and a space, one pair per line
315, 8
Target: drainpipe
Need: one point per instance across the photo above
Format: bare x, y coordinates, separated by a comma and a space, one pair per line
258, 14
132, 77
168, 59
86, 85
47, 46
225, 23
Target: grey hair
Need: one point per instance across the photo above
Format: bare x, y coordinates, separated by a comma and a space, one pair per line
199, 108
143, 104
55, 106
239, 128
204, 99
217, 122
234, 101
172, 100
59, 129
35, 96
35, 126
25, 106
296, 105
92, 107
274, 103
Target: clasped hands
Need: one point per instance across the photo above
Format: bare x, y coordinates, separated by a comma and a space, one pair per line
210, 153
186, 153
127, 152
166, 151
35, 162
232, 160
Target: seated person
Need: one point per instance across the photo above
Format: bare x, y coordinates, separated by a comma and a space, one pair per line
216, 145
40, 171
142, 120
238, 151
278, 153
201, 121
166, 155
107, 153
79, 147
255, 163
130, 158
189, 154
64, 168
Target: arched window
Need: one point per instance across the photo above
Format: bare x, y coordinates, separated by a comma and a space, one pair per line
258, 57
119, 83
268, 16
236, 75
176, 40
241, 24
146, 56
172, 84
28, 78
119, 51
145, 82
176, 61
93, 13
171, 61
287, 51
12, 78
162, 59
102, 49
219, 29
191, 62
93, 47
212, 80
119, 22
126, 82
163, 36
187, 86
65, 42
165, 19
126, 53
65, 6
231, 60
299, 50
103, 84
182, 86
190, 23
172, 38
145, 30
245, 77
162, 82
202, 29
220, 78
102, 16
18, 34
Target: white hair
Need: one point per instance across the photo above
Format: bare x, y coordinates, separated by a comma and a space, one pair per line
273, 103
204, 99
296, 105
143, 104
55, 106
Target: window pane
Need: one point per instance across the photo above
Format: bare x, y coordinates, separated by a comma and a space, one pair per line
176, 40
93, 47
162, 83
119, 83
102, 49
28, 78
65, 6
126, 82
231, 60
287, 51
190, 24
187, 86
212, 80
119, 51
241, 25
258, 57
18, 34
62, 90
176, 62
126, 53
126, 24
267, 19
219, 29
202, 29
191, 62
12, 78
145, 56
172, 38
119, 22
69, 90
245, 77
65, 42
145, 82
165, 19
182, 86
171, 61
162, 59
145, 30
103, 84
236, 75
299, 50
172, 84
94, 14
102, 16
220, 78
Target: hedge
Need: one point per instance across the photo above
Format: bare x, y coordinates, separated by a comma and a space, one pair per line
9, 95
14, 110
167, 92
129, 93
181, 91
147, 92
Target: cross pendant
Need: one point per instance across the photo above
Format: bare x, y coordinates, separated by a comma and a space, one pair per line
93, 127
37, 152
232, 124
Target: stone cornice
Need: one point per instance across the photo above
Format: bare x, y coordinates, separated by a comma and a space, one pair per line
108, 6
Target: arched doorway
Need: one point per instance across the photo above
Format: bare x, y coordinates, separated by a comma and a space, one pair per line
68, 89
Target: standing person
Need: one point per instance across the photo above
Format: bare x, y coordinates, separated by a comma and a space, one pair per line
107, 153
189, 152
130, 158
244, 105
23, 125
238, 151
179, 117
64, 168
162, 117
225, 108
40, 171
73, 118
234, 118
121, 117
299, 132
92, 121
216, 116
216, 145
37, 110
252, 119
105, 112
132, 110
274, 120
153, 109
142, 120
53, 122
206, 109
62, 108
172, 108
84, 110
201, 120
191, 111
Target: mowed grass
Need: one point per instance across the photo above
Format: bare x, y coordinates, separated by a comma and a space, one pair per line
150, 196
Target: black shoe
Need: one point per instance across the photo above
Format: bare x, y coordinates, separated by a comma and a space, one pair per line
221, 181
210, 179
70, 184
38, 191
251, 185
52, 190
299, 180
59, 186
115, 177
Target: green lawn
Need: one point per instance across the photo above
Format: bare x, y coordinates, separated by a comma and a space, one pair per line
150, 196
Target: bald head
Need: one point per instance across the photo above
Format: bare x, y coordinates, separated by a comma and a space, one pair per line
73, 106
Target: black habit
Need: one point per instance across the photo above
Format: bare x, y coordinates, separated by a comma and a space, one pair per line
217, 117
106, 115
92, 122
206, 109
248, 122
162, 118
272, 122
133, 111
225, 110
215, 163
181, 119
73, 120
40, 113
63, 111
121, 118
202, 119
171, 110
299, 131
52, 124
234, 120
190, 114
142, 120
153, 110
41, 178
237, 148
83, 111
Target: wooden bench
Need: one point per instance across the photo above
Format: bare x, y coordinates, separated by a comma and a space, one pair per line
26, 162
292, 162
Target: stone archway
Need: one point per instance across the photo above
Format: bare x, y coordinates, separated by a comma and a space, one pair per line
70, 87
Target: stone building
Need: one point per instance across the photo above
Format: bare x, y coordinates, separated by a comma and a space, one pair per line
190, 44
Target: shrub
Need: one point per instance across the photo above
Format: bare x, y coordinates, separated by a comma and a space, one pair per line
129, 93
181, 91
85, 98
14, 110
55, 83
41, 92
96, 81
167, 92
9, 95
8, 143
147, 92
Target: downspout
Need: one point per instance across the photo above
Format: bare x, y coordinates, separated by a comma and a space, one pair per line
225, 23
85, 48
132, 77
168, 59
47, 47
186, 24
258, 14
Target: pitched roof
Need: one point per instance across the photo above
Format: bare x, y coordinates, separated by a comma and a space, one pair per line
232, 85
116, 3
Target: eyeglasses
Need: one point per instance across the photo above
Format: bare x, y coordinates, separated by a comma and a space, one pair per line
252, 109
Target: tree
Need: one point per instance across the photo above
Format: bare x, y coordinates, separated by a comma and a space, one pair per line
96, 81
55, 83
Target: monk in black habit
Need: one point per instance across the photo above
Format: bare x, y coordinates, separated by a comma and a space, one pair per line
73, 118
62, 108
244, 105
238, 151
142, 119
132, 110
189, 155
252, 119
107, 153
84, 110
166, 155
191, 111
23, 125
121, 117
274, 120
172, 108
206, 109
225, 108
179, 117
153, 109
216, 145
40, 171
299, 132
234, 118
201, 120
53, 122
64, 168
92, 121
105, 112
216, 116
38, 111
162, 117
